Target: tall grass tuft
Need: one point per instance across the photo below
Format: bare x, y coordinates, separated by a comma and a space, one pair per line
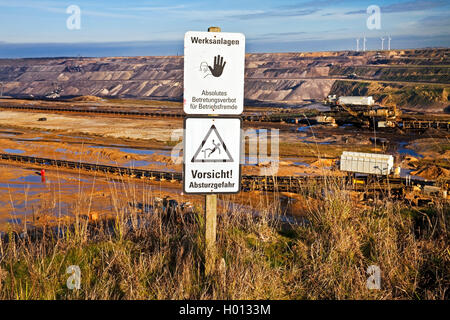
148, 250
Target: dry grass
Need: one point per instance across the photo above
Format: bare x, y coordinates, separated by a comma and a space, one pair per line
148, 252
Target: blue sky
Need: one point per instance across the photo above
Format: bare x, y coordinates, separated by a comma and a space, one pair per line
118, 28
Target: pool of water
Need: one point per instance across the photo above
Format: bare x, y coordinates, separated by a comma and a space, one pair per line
19, 201
305, 129
16, 151
32, 178
409, 152
10, 133
31, 190
302, 164
406, 172
136, 163
313, 141
295, 161
405, 151
31, 139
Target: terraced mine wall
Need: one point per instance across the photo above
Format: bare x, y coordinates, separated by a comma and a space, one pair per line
424, 97
290, 78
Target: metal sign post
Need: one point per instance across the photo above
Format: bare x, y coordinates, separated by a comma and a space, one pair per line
213, 85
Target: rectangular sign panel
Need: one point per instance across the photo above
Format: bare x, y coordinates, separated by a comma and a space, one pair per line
212, 149
214, 65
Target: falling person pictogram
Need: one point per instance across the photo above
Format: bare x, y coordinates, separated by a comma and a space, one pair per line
211, 148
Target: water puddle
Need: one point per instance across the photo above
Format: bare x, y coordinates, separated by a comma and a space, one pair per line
296, 162
136, 163
10, 133
305, 129
314, 142
16, 151
409, 152
302, 164
21, 189
31, 139
405, 173
32, 178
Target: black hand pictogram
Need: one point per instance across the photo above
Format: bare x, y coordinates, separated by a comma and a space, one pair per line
219, 64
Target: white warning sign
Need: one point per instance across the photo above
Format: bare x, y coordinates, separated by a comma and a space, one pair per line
212, 149
214, 65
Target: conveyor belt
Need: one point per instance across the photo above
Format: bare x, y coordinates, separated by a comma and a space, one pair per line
249, 182
288, 117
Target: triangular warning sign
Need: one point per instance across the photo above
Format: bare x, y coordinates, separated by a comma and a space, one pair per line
212, 148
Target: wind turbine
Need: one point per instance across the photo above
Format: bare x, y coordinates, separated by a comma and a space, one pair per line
389, 42
382, 43
357, 44
364, 43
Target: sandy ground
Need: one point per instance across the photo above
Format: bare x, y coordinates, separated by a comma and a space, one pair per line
71, 137
130, 153
143, 143
100, 126
26, 199
60, 148
146, 143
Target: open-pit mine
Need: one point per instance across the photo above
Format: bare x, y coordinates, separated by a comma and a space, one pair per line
76, 130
